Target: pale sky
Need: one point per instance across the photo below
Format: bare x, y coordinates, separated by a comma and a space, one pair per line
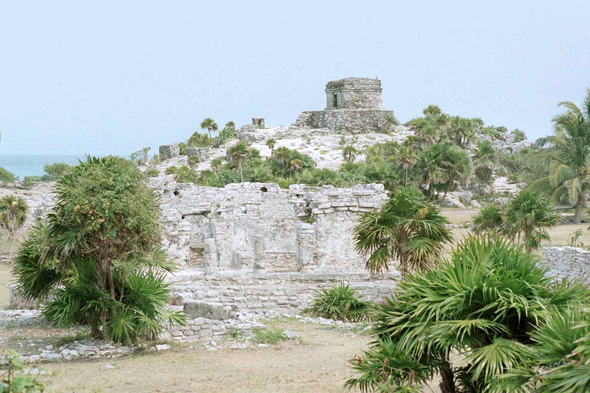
113, 76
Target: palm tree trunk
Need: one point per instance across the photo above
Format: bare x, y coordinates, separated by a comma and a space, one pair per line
12, 244
406, 182
447, 189
578, 214
240, 168
447, 384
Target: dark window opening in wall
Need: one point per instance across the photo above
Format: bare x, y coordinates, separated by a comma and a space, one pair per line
335, 100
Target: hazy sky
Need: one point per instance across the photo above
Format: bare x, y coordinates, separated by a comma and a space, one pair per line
114, 76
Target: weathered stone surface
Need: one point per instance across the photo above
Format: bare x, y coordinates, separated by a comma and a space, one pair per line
195, 309
354, 93
169, 151
354, 121
562, 262
201, 152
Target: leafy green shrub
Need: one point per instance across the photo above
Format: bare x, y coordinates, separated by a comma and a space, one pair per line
29, 181
152, 172
56, 170
155, 159
265, 336
13, 213
519, 136
14, 381
6, 176
171, 170
184, 174
340, 303
485, 303
514, 178
99, 254
193, 161
488, 220
182, 148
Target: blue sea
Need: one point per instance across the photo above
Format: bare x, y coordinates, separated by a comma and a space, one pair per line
32, 165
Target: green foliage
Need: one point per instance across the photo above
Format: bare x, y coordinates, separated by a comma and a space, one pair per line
141, 157
265, 336
525, 219
6, 176
488, 220
99, 256
14, 381
30, 181
566, 155
185, 174
182, 148
200, 140
155, 159
514, 178
193, 161
171, 170
485, 303
519, 136
13, 213
209, 125
241, 153
349, 153
340, 303
152, 172
226, 134
407, 229
56, 170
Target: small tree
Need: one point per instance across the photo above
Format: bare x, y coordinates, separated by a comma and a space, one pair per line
14, 381
240, 154
6, 176
407, 159
209, 125
271, 143
349, 153
484, 175
99, 254
407, 229
488, 220
56, 170
13, 213
527, 218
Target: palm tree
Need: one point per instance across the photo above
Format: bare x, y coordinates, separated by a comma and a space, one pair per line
230, 125
456, 164
209, 125
349, 153
527, 218
13, 213
271, 143
431, 173
567, 153
407, 229
407, 159
239, 154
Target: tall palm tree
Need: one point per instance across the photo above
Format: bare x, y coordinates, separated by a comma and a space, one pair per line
456, 164
209, 125
13, 213
239, 154
230, 125
271, 143
407, 159
407, 229
567, 153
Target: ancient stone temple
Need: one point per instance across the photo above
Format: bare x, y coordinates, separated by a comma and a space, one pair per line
353, 105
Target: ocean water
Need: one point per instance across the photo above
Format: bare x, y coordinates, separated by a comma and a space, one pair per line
32, 165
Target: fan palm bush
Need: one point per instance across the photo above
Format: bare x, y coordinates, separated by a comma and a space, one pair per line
98, 255
13, 213
341, 302
484, 305
407, 229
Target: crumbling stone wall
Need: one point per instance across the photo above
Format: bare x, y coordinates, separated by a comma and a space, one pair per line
261, 227
572, 262
349, 121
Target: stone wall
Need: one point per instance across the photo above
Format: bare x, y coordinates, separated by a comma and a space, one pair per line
354, 93
564, 262
355, 121
261, 227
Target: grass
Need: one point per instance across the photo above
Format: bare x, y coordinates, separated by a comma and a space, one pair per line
266, 336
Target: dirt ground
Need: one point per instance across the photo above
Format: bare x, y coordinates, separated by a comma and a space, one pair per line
318, 364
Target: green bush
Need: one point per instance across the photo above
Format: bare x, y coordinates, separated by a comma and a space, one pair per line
14, 381
486, 303
30, 181
519, 135
171, 170
6, 176
56, 170
340, 303
184, 174
265, 336
152, 172
193, 161
99, 254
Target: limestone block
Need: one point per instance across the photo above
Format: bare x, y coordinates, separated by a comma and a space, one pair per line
201, 152
169, 151
196, 309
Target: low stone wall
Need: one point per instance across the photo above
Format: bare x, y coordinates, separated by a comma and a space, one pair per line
355, 121
572, 262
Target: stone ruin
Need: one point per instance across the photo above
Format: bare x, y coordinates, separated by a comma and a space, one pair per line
353, 105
